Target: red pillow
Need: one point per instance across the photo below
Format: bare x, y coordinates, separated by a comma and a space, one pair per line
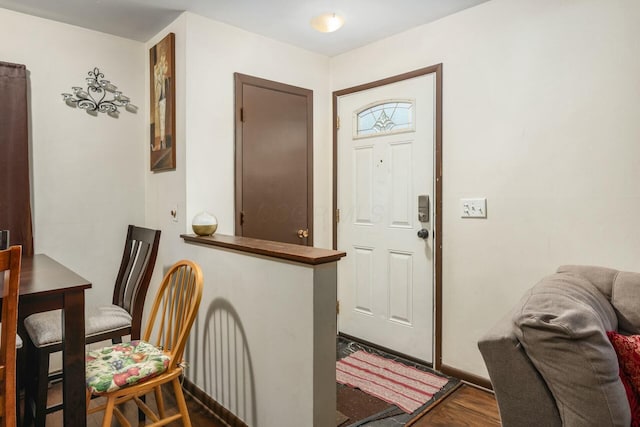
634, 402
628, 351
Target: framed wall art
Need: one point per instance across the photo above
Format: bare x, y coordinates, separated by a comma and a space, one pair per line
163, 105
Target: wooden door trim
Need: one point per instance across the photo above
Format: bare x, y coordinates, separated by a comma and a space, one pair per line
437, 70
240, 80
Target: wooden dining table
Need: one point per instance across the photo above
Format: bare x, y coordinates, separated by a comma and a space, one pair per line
46, 284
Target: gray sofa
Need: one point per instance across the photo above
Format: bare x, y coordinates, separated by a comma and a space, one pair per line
549, 359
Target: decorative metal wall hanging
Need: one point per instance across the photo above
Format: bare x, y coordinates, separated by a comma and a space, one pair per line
100, 96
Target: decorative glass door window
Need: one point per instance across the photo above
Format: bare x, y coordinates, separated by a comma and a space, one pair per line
384, 117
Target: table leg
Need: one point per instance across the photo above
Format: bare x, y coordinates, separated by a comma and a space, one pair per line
73, 359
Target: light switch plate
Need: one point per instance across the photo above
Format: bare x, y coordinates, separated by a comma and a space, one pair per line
473, 208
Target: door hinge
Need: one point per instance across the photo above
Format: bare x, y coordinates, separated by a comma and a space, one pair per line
337, 216
242, 115
338, 122
337, 306
241, 218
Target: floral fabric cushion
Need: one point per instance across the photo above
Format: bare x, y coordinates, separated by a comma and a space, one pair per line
121, 365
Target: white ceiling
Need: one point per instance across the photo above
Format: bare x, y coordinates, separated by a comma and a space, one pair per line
286, 20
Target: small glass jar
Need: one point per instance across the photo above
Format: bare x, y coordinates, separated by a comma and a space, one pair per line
204, 224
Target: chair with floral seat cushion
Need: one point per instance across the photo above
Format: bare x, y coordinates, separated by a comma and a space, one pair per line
129, 371
109, 322
114, 367
10, 264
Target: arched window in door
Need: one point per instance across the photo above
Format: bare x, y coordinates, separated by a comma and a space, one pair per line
385, 117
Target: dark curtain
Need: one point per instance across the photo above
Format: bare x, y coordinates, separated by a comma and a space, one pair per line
15, 199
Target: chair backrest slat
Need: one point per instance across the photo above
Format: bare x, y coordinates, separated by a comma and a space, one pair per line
131, 277
134, 276
4, 239
175, 308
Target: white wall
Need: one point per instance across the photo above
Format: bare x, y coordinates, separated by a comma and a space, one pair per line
253, 345
214, 52
87, 172
541, 117
167, 189
263, 302
207, 54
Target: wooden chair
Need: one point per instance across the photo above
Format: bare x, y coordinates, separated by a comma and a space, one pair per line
122, 318
10, 265
124, 372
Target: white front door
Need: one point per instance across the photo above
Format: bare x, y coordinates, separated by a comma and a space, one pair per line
385, 166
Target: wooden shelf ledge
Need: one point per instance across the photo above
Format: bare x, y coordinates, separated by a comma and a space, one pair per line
287, 251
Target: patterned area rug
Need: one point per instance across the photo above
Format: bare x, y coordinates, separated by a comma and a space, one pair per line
404, 386
365, 408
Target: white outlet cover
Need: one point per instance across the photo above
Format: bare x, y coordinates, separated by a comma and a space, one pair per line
174, 213
473, 208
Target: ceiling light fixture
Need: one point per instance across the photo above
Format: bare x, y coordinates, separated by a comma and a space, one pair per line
327, 23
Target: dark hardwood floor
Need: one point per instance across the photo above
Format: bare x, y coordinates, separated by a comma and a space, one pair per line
200, 416
465, 407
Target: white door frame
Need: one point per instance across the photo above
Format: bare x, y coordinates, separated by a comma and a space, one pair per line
437, 228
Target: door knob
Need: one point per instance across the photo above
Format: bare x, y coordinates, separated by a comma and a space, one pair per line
423, 234
303, 233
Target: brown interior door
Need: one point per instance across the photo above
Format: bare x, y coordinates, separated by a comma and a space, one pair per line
274, 157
